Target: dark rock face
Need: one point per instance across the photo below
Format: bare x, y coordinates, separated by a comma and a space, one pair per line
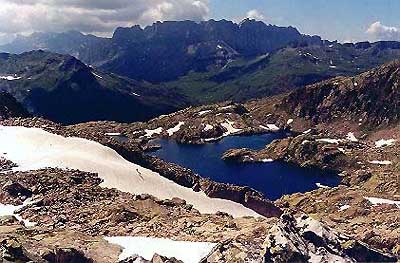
67, 255
193, 46
15, 189
372, 98
147, 53
9, 107
63, 89
12, 251
305, 239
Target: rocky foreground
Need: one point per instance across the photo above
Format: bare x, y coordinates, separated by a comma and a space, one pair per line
69, 213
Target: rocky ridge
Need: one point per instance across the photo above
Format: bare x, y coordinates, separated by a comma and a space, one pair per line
64, 89
9, 107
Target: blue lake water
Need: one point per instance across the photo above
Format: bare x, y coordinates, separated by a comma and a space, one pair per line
273, 179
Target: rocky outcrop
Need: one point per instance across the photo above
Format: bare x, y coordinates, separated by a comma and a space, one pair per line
371, 98
307, 240
6, 165
67, 255
304, 150
243, 195
238, 155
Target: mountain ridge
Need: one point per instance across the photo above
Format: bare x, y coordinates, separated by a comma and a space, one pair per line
64, 89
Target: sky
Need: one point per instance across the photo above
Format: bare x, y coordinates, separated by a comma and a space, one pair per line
343, 20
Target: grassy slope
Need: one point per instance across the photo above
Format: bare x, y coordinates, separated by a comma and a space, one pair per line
284, 70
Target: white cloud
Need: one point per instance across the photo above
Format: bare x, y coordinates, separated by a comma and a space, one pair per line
255, 14
378, 31
92, 16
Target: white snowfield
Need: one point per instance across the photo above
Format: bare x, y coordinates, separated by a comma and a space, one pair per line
32, 149
383, 143
175, 129
10, 77
379, 201
146, 247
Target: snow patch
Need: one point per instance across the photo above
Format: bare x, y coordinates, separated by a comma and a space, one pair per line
381, 162
175, 129
267, 160
97, 75
331, 141
322, 186
33, 149
270, 127
10, 77
342, 150
307, 131
146, 247
290, 121
351, 137
201, 113
208, 127
226, 107
230, 129
344, 207
379, 201
135, 94
113, 134
150, 133
383, 143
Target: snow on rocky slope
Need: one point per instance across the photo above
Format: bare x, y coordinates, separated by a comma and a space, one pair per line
34, 149
146, 247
